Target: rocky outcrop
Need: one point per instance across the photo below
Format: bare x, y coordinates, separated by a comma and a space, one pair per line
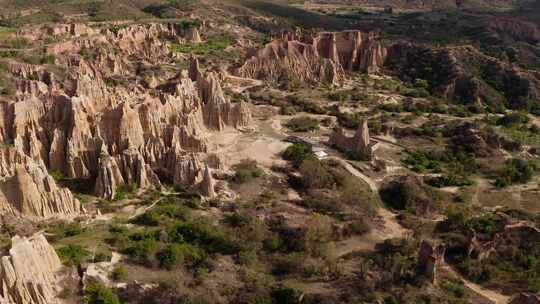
465, 74
353, 50
525, 298
27, 189
515, 29
283, 61
430, 258
93, 122
360, 145
194, 69
207, 184
30, 273
320, 58
194, 36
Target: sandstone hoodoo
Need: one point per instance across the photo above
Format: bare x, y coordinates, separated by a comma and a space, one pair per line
27, 189
323, 57
31, 273
360, 145
194, 36
119, 135
258, 151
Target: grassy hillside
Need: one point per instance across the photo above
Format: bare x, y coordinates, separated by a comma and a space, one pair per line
18, 12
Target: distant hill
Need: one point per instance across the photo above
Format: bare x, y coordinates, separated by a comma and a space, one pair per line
428, 4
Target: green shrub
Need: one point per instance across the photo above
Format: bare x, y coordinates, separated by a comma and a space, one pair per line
149, 218
516, 171
417, 93
246, 170
119, 273
303, 124
449, 181
102, 256
142, 246
63, 230
316, 174
297, 153
72, 255
421, 161
513, 119
97, 293
353, 193
119, 195
285, 295
57, 175
203, 234
176, 254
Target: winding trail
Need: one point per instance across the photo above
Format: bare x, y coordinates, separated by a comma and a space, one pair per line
391, 228
142, 210
491, 295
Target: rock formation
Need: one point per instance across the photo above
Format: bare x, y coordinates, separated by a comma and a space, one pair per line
514, 28
322, 58
207, 184
452, 73
430, 257
27, 189
194, 36
86, 126
30, 273
359, 145
354, 50
525, 298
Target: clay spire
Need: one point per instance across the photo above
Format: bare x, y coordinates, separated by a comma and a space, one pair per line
194, 35
207, 184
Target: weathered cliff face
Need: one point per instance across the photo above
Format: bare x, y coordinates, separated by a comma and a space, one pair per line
27, 189
322, 58
87, 125
354, 50
30, 273
465, 74
514, 28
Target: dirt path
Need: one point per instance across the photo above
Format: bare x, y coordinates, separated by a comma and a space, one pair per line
241, 84
143, 210
390, 229
372, 185
491, 295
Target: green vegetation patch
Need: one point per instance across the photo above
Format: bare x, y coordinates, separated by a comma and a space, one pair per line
212, 45
97, 293
516, 171
303, 124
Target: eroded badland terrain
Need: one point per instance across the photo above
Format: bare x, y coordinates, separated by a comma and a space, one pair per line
244, 151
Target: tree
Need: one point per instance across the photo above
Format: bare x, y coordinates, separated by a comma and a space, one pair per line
97, 293
93, 9
315, 174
